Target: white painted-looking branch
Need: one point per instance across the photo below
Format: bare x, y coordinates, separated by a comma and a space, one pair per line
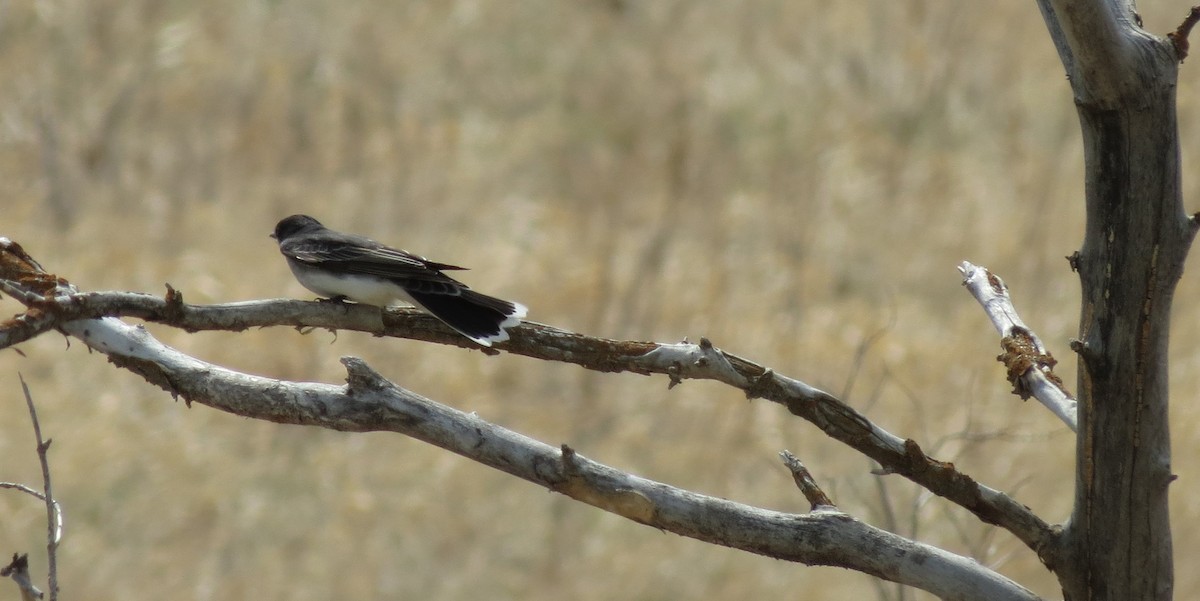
1036, 377
54, 302
371, 403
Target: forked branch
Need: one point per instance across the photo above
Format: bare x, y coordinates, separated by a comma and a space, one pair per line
54, 304
232, 391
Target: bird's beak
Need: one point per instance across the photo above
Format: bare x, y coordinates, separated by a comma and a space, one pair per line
272, 236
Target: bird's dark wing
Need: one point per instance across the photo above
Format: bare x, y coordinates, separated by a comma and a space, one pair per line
367, 257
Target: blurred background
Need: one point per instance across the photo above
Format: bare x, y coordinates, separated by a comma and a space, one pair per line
795, 180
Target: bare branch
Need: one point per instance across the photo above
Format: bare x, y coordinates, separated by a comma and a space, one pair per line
805, 482
53, 515
1030, 365
679, 361
18, 570
23, 488
58, 514
371, 403
1179, 37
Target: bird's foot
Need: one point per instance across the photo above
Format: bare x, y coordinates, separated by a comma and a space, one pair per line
339, 300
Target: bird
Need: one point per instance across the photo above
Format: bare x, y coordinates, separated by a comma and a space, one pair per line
341, 266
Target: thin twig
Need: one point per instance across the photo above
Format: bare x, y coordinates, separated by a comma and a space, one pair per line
1179, 37
805, 482
58, 519
53, 517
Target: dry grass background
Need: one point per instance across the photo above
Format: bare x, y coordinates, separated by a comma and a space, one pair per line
794, 179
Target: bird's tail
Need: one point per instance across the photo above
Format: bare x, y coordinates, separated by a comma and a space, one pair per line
480, 317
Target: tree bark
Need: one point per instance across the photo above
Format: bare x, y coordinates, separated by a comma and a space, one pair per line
1117, 544
825, 536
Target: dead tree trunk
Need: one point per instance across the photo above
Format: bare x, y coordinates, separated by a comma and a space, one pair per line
1118, 542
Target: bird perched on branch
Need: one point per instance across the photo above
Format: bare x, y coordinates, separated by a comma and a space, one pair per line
347, 266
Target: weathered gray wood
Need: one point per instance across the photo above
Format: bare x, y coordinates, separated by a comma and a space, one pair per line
370, 403
678, 361
1118, 542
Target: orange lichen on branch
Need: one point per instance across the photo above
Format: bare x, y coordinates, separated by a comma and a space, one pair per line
1021, 353
17, 266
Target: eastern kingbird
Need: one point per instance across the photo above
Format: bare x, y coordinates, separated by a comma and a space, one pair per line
345, 266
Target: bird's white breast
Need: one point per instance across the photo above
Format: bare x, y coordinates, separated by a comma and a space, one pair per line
358, 288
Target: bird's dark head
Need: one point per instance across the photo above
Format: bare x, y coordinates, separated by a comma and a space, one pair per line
296, 224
